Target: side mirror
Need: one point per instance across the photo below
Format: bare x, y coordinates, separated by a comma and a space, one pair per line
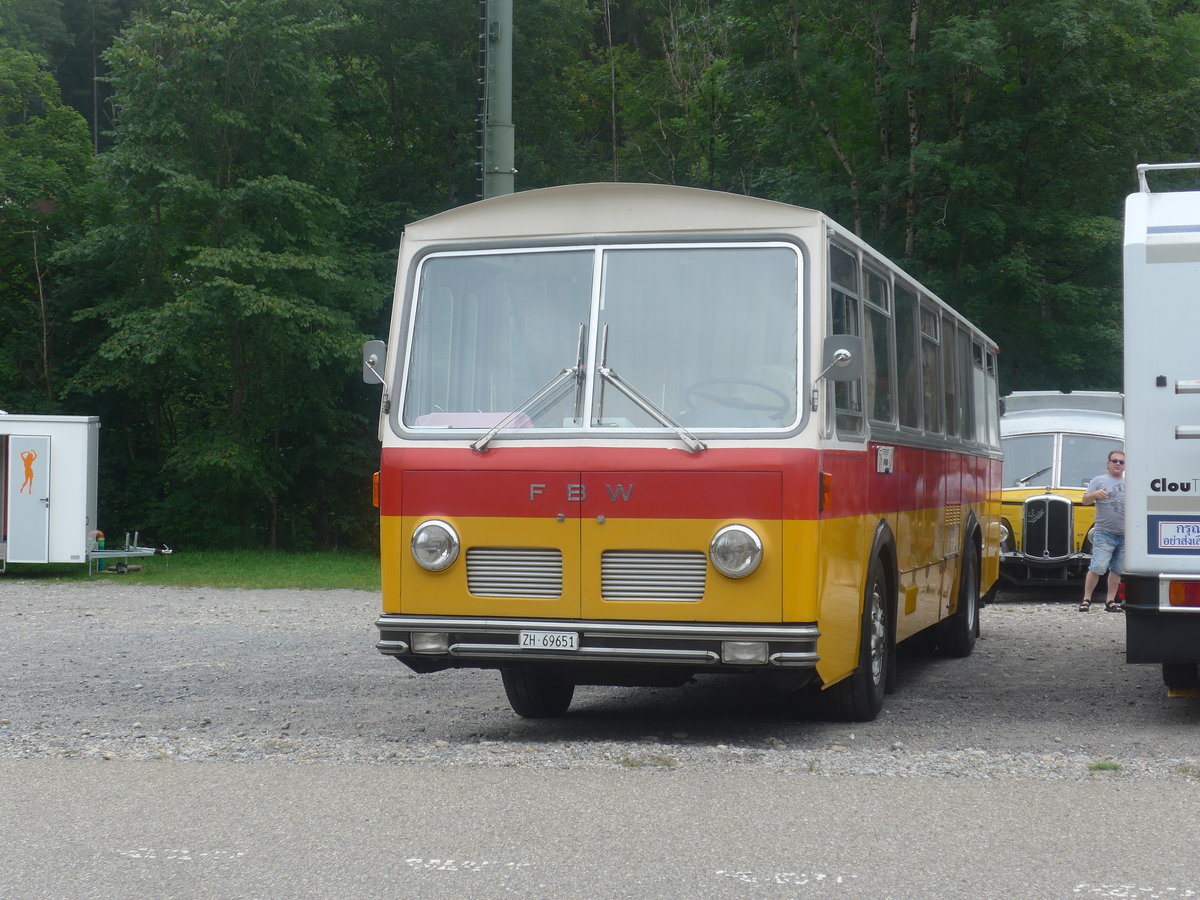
842, 358
374, 353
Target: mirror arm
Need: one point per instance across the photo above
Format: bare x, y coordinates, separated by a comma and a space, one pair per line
840, 359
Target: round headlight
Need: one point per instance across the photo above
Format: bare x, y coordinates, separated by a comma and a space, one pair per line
735, 551
435, 545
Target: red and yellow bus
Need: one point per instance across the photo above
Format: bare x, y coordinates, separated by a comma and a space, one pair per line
635, 433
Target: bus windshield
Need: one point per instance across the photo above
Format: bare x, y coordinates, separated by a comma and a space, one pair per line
707, 334
1029, 458
1084, 457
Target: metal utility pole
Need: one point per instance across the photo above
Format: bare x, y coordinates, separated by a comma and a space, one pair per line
496, 130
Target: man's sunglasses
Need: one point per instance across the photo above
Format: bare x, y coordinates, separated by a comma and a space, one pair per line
1117, 462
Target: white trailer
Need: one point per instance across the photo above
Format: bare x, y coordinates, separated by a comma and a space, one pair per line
1162, 428
48, 503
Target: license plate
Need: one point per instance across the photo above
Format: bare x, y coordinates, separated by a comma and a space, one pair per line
548, 640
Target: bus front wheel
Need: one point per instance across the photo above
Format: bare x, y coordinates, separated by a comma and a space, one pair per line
537, 692
859, 698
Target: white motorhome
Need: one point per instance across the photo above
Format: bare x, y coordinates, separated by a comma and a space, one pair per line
1162, 433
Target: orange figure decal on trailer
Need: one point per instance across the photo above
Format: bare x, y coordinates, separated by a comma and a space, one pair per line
27, 457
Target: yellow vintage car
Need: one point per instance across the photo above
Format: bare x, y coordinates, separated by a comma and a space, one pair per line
1054, 444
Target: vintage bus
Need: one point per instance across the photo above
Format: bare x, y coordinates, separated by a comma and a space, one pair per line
1054, 443
636, 433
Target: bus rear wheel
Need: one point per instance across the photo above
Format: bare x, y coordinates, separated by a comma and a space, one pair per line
859, 698
956, 634
537, 692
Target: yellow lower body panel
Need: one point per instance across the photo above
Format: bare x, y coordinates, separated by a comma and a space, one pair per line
657, 570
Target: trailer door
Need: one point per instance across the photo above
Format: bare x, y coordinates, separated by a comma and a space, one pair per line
28, 492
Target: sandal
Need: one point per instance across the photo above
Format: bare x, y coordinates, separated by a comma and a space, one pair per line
1112, 606
1085, 605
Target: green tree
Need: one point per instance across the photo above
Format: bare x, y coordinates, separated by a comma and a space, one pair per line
226, 278
987, 148
45, 164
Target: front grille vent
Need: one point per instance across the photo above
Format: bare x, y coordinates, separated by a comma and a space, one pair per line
514, 572
654, 576
1048, 527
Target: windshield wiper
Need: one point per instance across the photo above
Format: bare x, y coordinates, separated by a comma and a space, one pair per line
1020, 482
546, 391
693, 443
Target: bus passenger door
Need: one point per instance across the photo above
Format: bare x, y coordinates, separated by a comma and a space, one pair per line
925, 527
950, 528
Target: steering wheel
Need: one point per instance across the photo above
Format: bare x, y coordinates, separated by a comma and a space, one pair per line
774, 402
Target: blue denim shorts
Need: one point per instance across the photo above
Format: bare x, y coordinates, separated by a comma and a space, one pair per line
1108, 552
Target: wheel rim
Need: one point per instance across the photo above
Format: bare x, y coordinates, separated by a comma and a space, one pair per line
878, 634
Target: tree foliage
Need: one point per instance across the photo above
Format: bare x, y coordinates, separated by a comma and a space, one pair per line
202, 198
45, 164
224, 267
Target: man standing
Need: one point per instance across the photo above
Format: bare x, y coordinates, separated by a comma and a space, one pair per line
1107, 491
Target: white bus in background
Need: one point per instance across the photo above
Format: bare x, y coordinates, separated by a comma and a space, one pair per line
1162, 416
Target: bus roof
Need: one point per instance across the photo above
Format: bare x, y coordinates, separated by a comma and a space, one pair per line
1102, 401
1079, 412
592, 210
609, 208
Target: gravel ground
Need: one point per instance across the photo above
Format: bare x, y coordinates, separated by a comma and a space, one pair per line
112, 669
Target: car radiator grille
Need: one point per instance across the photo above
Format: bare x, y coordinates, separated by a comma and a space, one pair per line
641, 575
1048, 527
514, 572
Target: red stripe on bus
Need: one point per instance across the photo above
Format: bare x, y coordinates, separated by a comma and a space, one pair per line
658, 483
639, 495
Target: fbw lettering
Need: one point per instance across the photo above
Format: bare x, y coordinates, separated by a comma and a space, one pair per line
1166, 486
577, 493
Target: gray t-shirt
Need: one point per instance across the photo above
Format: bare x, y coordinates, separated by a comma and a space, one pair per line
1110, 513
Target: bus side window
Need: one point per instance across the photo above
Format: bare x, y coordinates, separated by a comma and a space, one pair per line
878, 350
993, 400
979, 393
931, 369
908, 382
966, 403
950, 377
845, 319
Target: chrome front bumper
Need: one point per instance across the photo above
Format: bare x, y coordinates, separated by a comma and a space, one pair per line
484, 641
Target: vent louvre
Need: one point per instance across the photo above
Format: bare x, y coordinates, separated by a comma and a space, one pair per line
654, 576
514, 572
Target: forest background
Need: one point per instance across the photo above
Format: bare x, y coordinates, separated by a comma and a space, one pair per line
201, 200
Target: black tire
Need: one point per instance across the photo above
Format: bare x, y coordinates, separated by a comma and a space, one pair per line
957, 633
537, 692
1181, 676
859, 698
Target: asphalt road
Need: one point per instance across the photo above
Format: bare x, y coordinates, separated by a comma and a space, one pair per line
199, 743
